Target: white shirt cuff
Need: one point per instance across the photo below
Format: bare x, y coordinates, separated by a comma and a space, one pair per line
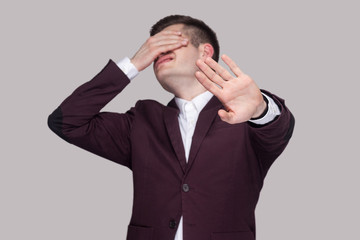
273, 111
128, 68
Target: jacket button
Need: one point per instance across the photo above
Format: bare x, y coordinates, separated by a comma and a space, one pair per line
172, 224
185, 187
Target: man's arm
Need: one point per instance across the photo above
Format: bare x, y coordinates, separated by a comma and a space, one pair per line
269, 140
78, 119
244, 101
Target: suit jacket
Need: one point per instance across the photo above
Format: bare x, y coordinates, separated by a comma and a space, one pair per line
216, 191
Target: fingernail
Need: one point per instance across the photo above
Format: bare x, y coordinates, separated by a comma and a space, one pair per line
184, 41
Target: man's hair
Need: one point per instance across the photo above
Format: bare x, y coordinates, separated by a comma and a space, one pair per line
196, 29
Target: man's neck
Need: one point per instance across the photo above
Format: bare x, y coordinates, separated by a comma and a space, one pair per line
189, 91
189, 96
184, 86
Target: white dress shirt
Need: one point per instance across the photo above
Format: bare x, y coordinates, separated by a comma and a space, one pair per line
189, 113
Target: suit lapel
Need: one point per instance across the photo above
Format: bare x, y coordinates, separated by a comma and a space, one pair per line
205, 119
172, 125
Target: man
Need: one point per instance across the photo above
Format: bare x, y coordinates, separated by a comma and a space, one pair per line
198, 163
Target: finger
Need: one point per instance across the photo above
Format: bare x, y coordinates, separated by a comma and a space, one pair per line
162, 42
169, 47
234, 68
210, 74
218, 68
209, 85
226, 116
162, 37
168, 32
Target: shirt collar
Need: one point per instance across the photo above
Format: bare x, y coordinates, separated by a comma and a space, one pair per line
199, 101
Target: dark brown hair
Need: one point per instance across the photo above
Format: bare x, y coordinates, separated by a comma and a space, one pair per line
196, 29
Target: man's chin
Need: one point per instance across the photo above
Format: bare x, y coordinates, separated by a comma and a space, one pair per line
162, 75
167, 88
162, 67
166, 83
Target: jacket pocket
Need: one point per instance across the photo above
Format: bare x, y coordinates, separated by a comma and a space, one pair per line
232, 236
139, 233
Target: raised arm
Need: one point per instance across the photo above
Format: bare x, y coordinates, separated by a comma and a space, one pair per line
243, 101
78, 119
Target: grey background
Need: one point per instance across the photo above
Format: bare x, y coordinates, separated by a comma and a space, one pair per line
304, 51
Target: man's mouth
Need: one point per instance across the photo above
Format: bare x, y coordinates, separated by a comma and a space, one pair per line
163, 59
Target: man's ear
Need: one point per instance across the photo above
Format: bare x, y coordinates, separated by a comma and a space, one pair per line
207, 50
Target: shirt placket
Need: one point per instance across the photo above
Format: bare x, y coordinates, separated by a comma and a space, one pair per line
190, 119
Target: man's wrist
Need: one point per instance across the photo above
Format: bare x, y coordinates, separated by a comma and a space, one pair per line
128, 68
269, 114
266, 108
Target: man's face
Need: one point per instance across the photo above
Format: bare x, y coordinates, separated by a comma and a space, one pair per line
178, 64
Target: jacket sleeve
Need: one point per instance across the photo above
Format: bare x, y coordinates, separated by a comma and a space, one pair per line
270, 140
78, 119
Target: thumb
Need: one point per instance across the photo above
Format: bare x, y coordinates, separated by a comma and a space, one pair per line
225, 116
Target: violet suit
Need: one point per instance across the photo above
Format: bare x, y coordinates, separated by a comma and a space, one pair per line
216, 191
